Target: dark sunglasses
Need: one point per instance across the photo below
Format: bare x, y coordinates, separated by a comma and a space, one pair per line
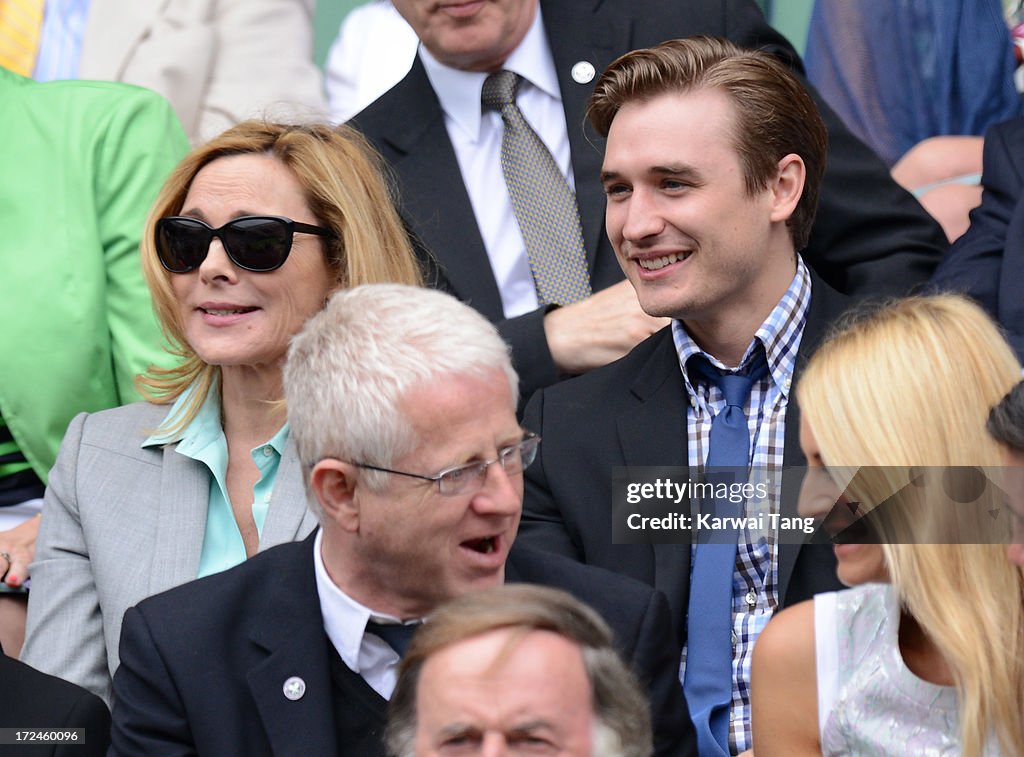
255, 243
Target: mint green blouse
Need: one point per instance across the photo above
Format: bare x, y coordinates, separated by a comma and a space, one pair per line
203, 440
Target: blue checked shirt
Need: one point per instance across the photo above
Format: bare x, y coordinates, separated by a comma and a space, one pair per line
755, 593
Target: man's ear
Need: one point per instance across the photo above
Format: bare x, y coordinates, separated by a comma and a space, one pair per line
334, 484
787, 186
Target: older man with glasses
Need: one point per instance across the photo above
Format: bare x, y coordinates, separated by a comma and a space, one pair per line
402, 404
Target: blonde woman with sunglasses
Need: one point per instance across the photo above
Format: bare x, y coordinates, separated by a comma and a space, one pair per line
248, 238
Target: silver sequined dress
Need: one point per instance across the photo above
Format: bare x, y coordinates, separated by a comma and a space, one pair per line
870, 703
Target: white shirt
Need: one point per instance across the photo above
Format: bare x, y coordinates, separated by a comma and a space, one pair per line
345, 624
374, 50
476, 137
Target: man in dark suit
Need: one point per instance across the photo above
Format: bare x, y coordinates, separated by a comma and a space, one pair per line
987, 262
402, 404
713, 162
871, 236
43, 705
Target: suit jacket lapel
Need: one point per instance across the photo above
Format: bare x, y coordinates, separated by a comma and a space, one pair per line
184, 494
434, 198
112, 31
184, 498
288, 517
290, 642
827, 305
658, 421
582, 35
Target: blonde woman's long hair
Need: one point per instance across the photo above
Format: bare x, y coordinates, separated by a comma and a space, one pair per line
911, 384
345, 187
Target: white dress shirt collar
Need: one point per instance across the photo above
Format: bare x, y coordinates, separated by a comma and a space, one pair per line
459, 91
345, 625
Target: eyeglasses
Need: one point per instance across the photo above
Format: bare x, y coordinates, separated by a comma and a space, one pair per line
514, 458
255, 243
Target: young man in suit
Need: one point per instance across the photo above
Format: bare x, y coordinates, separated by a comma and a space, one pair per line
402, 404
870, 237
712, 170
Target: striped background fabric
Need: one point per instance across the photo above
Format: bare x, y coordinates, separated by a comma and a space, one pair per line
20, 23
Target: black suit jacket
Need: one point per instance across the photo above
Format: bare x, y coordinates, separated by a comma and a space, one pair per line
987, 262
33, 700
870, 235
633, 413
203, 665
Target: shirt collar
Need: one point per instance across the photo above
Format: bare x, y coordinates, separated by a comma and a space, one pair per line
344, 618
204, 429
205, 425
459, 91
779, 335
279, 440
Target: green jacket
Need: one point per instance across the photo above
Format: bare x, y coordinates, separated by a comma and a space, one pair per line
80, 164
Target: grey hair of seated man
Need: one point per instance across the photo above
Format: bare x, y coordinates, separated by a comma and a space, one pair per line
353, 362
622, 725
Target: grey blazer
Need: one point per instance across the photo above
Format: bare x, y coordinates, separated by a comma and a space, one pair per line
121, 523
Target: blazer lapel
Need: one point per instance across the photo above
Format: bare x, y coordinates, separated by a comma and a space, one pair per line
434, 198
288, 517
658, 421
583, 36
291, 636
184, 498
184, 493
659, 416
112, 31
827, 306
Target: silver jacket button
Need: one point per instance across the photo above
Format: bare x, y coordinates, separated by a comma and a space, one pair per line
294, 688
583, 72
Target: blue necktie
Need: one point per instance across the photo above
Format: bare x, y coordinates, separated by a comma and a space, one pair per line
395, 635
708, 679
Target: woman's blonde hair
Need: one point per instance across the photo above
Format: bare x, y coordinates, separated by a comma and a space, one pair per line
344, 185
911, 384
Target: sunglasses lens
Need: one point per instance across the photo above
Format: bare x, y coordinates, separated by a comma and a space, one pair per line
258, 244
181, 243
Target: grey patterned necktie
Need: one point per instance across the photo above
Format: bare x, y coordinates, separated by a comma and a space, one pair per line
544, 205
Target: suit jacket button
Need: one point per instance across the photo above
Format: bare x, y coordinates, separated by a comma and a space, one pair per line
294, 688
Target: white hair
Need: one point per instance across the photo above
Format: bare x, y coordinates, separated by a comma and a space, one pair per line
353, 363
